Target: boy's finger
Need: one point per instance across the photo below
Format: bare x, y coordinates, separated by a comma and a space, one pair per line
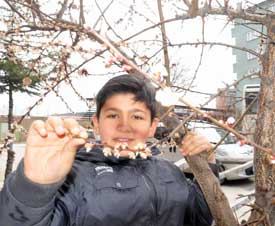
83, 133
56, 124
39, 127
199, 149
190, 135
74, 144
196, 147
72, 126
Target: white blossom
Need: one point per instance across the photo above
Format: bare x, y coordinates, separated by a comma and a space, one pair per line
131, 155
139, 146
107, 151
160, 69
88, 147
167, 97
142, 155
231, 120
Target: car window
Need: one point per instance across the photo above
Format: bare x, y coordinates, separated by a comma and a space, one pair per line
230, 139
210, 133
213, 133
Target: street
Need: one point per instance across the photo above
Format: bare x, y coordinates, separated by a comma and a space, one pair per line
232, 189
19, 153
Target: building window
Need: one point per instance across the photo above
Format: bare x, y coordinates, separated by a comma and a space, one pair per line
250, 93
253, 72
272, 7
250, 96
251, 35
250, 56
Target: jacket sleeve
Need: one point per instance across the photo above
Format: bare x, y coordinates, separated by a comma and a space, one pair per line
197, 211
24, 203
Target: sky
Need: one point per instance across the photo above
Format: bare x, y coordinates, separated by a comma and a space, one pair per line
215, 71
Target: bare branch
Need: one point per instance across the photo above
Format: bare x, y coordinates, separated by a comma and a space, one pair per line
81, 14
194, 8
165, 46
15, 10
62, 10
187, 3
105, 19
201, 55
220, 44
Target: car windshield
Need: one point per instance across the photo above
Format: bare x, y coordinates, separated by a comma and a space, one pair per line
213, 133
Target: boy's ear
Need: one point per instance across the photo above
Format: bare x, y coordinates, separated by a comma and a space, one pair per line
153, 127
95, 122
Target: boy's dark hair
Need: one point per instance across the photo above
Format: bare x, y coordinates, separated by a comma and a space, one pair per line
140, 87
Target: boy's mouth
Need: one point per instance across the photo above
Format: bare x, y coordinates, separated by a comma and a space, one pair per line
123, 140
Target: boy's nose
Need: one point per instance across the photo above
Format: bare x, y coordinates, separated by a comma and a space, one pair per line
124, 125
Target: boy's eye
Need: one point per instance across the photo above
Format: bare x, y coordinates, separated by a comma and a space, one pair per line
138, 117
112, 116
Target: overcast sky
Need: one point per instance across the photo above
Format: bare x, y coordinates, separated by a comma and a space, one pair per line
216, 71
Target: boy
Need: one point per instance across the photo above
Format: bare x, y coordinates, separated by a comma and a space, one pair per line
57, 186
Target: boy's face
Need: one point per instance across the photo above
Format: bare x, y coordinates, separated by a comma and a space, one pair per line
124, 120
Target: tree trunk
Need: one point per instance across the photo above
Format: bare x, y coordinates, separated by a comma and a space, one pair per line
265, 136
209, 184
10, 159
10, 114
9, 144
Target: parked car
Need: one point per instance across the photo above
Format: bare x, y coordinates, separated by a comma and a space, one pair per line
230, 153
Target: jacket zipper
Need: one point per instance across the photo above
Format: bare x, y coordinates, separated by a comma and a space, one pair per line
150, 186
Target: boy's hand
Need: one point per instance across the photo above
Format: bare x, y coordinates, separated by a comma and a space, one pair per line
193, 144
50, 149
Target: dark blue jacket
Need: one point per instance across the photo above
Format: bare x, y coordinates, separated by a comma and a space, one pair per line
102, 191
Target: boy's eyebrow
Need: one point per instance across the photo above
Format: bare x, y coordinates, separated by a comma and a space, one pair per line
137, 110
110, 109
132, 110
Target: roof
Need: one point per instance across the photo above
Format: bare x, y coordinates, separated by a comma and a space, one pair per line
77, 115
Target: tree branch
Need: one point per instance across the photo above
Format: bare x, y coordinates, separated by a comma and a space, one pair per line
165, 46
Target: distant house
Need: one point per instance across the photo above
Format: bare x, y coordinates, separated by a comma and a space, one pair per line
20, 136
226, 100
251, 36
84, 118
